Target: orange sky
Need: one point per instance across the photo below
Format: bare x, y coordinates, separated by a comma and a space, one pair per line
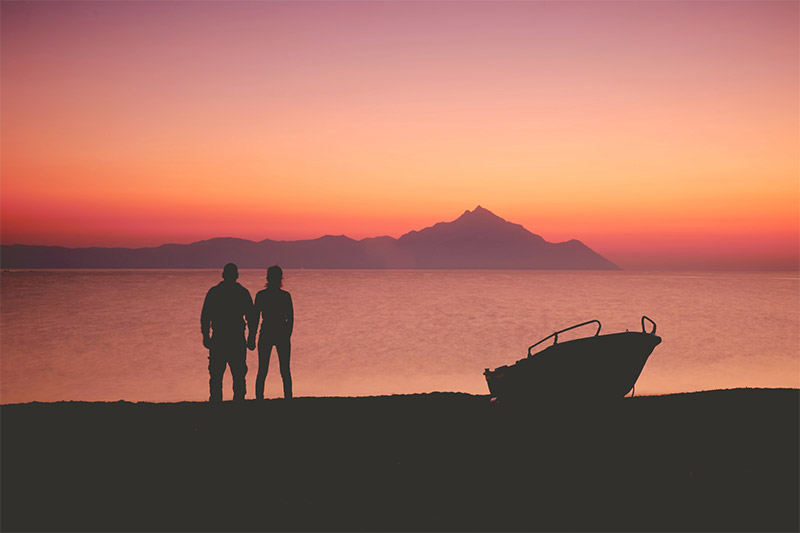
662, 134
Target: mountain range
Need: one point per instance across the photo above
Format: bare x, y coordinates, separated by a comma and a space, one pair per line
478, 239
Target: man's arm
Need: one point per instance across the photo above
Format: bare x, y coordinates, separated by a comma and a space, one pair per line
252, 317
205, 320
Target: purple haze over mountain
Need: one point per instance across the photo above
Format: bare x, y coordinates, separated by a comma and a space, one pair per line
477, 239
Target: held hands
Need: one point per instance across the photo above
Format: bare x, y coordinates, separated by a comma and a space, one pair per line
251, 343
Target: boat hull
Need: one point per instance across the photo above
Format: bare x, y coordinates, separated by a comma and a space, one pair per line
603, 366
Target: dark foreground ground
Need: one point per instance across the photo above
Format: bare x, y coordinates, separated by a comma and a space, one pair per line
719, 460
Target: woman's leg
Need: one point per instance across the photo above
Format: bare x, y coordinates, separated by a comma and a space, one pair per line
264, 351
284, 349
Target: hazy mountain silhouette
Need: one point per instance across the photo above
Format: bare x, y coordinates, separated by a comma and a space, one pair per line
477, 239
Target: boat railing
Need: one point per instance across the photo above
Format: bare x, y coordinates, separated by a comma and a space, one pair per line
596, 333
557, 333
653, 332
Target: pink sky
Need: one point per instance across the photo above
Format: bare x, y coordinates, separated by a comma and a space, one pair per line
661, 134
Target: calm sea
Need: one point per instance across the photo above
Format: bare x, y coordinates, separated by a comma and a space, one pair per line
135, 335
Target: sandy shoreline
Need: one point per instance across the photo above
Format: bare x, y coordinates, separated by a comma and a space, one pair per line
716, 460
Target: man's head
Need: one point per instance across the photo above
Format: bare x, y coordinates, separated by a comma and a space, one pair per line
230, 272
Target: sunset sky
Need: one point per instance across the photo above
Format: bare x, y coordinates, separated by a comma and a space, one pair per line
661, 134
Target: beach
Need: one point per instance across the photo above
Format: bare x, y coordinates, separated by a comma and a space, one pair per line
723, 460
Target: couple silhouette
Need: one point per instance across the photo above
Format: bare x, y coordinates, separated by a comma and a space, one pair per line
227, 309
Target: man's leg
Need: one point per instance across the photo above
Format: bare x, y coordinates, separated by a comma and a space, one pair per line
237, 359
264, 351
284, 349
216, 369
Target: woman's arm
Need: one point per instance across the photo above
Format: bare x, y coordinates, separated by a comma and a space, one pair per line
290, 314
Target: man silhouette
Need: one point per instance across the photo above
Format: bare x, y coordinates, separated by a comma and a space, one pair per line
226, 308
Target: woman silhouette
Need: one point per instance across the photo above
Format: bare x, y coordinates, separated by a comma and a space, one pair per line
274, 306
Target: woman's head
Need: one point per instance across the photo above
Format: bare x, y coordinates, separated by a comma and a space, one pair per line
274, 277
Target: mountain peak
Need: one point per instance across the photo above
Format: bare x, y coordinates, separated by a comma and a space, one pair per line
479, 223
481, 239
479, 213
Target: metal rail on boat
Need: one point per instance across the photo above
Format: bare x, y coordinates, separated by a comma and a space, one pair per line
653, 332
555, 341
596, 333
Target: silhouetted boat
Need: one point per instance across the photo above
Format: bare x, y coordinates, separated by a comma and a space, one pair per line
601, 366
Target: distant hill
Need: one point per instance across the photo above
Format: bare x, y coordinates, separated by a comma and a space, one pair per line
477, 239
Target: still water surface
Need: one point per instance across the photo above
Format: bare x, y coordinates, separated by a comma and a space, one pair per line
135, 334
